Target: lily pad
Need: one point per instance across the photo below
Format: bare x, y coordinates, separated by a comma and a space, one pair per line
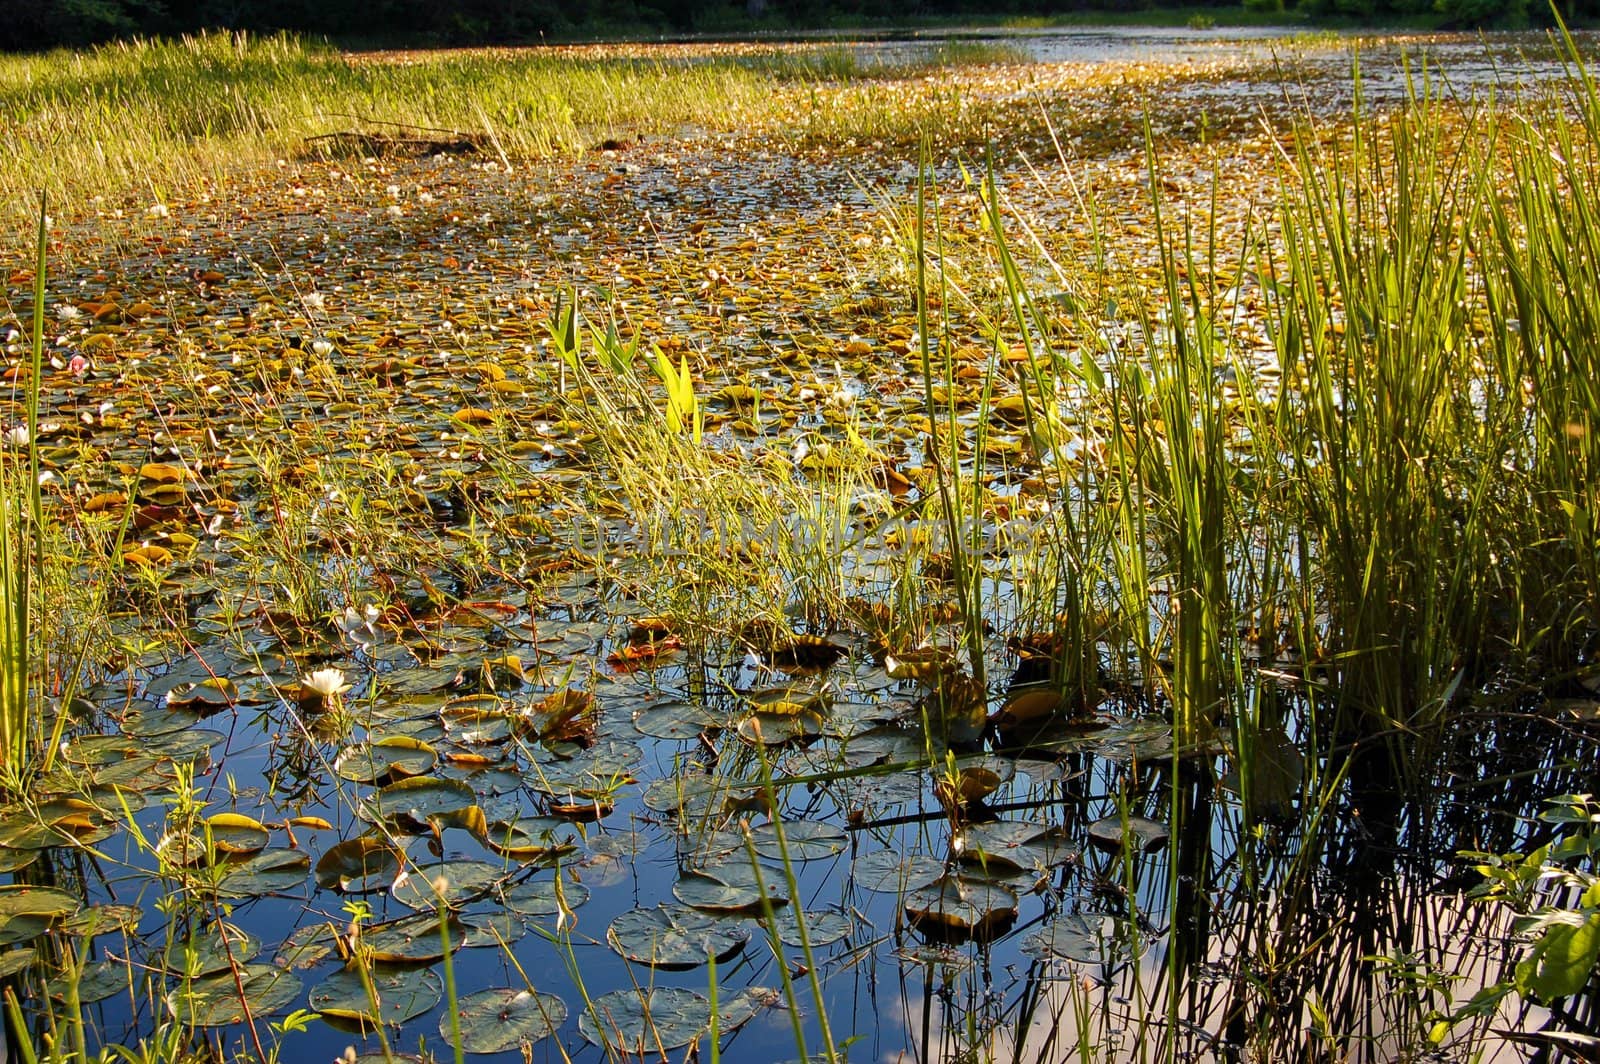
956, 908
674, 937
494, 1021
544, 897
644, 1021
532, 838
1112, 833
411, 939
451, 883
215, 1001
888, 872
360, 865
388, 759
413, 804
730, 886
235, 833
824, 927
268, 872
401, 996
1071, 937
676, 720
806, 840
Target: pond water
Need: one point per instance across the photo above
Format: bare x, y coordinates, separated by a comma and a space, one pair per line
342, 410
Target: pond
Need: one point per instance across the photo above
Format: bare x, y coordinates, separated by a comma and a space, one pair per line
438, 662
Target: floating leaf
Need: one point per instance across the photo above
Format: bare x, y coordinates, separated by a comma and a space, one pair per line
391, 758
894, 873
806, 840
235, 833
645, 1021
956, 908
216, 1000
360, 865
450, 883
532, 838
402, 995
1109, 833
269, 872
1070, 936
410, 940
674, 937
730, 886
411, 804
494, 1021
544, 897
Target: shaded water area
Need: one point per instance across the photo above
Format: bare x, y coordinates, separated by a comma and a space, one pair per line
332, 396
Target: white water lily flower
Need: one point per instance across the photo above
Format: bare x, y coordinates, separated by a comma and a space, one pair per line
329, 683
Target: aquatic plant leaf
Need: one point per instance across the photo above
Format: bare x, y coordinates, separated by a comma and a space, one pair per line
360, 865
402, 995
215, 1001
235, 833
676, 720
1076, 937
210, 950
97, 982
451, 883
532, 838
410, 939
494, 1021
391, 758
307, 947
1110, 834
675, 937
412, 804
268, 872
639, 1022
491, 928
806, 840
730, 886
1008, 847
955, 908
824, 927
775, 729
894, 873
23, 900
544, 897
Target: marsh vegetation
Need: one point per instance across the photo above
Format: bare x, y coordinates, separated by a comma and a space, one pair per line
796, 554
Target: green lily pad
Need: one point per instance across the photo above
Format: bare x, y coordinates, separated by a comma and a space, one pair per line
401, 996
22, 900
452, 883
16, 960
494, 1021
1111, 833
393, 757
1070, 936
644, 1021
824, 927
211, 950
360, 865
411, 939
307, 947
268, 872
411, 805
676, 720
493, 927
532, 838
806, 840
674, 937
97, 982
544, 897
888, 872
956, 908
215, 1001
730, 886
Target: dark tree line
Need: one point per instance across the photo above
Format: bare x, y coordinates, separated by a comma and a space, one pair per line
33, 25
